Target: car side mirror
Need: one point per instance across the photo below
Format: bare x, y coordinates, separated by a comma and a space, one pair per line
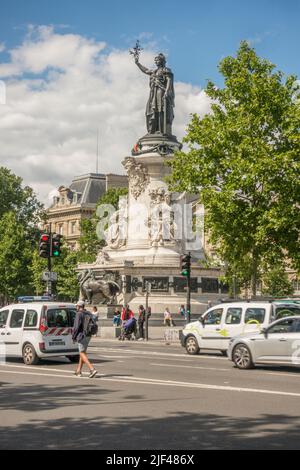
265, 332
202, 321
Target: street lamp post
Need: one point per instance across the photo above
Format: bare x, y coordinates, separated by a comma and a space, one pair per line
148, 290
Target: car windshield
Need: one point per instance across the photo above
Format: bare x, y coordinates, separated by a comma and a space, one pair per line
213, 317
283, 311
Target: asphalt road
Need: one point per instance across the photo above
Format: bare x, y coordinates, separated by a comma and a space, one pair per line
148, 396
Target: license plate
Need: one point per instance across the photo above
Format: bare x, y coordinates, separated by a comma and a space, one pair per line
57, 343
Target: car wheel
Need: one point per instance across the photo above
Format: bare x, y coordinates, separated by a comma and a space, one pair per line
73, 359
191, 346
30, 356
242, 357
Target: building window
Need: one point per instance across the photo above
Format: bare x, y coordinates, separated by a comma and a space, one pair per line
180, 284
61, 229
73, 228
210, 285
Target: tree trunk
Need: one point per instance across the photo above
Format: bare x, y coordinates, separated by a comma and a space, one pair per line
254, 274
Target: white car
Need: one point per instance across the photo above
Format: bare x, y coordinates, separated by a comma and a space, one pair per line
219, 324
38, 330
278, 344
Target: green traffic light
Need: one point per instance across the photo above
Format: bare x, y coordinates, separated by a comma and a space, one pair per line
184, 273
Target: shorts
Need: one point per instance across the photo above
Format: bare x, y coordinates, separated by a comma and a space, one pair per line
83, 344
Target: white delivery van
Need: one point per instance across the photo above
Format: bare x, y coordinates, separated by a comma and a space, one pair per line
220, 323
38, 330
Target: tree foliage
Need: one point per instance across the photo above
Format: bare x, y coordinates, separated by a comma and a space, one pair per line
276, 282
15, 258
18, 199
243, 158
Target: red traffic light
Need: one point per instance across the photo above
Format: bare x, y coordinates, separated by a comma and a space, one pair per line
44, 245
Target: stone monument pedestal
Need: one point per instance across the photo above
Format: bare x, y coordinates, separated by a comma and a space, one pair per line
144, 246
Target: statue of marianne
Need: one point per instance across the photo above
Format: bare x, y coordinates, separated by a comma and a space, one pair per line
159, 111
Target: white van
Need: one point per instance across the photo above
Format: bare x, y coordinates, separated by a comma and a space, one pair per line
219, 324
38, 330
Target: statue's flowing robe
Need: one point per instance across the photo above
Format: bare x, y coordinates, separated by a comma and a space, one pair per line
158, 85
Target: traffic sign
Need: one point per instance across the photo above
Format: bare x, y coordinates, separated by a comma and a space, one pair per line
49, 276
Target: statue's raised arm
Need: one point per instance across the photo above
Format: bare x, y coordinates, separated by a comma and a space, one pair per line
142, 67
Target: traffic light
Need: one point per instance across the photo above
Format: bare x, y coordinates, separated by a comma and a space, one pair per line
56, 245
185, 265
44, 245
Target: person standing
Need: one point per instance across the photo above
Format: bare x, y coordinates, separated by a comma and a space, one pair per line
95, 313
117, 317
81, 335
141, 322
183, 312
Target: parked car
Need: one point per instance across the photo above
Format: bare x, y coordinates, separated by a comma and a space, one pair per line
220, 323
38, 330
277, 344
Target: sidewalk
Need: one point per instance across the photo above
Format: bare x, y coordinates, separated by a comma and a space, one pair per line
151, 342
156, 335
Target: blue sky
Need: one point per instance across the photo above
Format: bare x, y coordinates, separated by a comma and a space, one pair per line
195, 34
67, 73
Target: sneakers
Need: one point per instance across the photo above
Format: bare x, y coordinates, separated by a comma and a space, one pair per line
78, 374
92, 374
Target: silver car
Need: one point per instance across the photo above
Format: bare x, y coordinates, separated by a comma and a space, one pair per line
277, 344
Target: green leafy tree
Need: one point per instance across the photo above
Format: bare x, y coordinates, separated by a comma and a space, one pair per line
18, 199
15, 258
67, 287
243, 159
37, 267
276, 282
89, 242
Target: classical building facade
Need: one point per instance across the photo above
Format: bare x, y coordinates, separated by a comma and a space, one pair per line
78, 201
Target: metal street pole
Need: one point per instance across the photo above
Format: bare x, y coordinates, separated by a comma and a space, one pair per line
188, 296
49, 283
148, 286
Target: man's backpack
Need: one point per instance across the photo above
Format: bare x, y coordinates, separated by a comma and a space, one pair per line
90, 327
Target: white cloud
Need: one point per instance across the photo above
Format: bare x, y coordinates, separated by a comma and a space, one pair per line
2, 47
60, 89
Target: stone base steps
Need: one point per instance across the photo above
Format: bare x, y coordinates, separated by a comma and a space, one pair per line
170, 335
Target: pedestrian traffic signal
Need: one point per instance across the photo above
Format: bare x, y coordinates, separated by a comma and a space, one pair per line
44, 245
56, 245
185, 265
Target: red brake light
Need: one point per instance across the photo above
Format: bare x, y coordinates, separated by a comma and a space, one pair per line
43, 321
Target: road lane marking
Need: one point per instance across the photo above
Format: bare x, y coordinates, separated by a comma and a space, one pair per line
188, 367
169, 383
49, 369
154, 353
260, 372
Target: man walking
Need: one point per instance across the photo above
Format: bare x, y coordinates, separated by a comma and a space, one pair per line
141, 321
82, 335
